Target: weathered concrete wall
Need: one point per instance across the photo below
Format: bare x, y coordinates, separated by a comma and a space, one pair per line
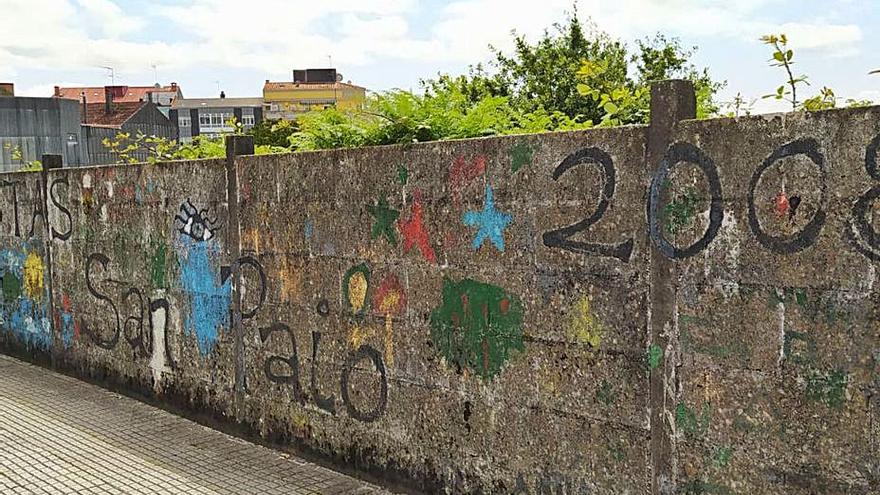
476, 316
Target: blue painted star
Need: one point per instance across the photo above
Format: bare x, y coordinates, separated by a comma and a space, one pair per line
491, 222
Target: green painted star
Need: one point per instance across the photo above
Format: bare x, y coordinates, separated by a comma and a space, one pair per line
520, 154
384, 221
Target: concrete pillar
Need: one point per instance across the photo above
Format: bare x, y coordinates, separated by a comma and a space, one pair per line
236, 145
671, 102
51, 162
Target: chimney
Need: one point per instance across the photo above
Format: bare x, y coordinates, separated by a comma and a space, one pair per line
222, 94
174, 87
57, 91
108, 101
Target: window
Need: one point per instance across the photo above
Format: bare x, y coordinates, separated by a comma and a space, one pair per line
204, 120
247, 120
184, 121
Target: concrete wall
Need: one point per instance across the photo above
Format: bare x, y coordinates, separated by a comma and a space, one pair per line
557, 313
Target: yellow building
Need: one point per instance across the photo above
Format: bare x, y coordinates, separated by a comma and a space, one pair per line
312, 89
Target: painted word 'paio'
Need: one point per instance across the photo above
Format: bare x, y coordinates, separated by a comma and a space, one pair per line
327, 403
860, 233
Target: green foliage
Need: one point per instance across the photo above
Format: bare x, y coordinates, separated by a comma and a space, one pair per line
582, 73
823, 101
17, 155
544, 75
739, 106
130, 149
784, 57
661, 58
273, 133
133, 149
852, 103
444, 112
571, 78
622, 105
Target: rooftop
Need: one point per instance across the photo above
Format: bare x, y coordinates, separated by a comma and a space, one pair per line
96, 115
216, 102
276, 86
124, 94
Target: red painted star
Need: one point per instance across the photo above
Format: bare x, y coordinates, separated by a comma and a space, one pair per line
414, 232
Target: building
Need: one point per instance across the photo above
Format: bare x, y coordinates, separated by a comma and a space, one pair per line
38, 126
311, 89
7, 89
110, 117
210, 116
161, 96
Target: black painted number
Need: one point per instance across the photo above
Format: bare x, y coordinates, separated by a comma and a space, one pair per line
688, 153
861, 233
788, 244
560, 238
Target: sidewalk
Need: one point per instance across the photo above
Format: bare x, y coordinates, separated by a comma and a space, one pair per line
60, 435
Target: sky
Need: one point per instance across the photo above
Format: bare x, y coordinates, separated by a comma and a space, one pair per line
234, 45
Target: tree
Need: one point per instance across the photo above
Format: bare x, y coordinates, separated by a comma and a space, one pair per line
583, 73
272, 132
572, 78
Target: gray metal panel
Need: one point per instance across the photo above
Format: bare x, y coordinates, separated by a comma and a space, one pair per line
39, 126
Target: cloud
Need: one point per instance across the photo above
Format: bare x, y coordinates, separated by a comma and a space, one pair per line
273, 36
838, 40
108, 18
46, 90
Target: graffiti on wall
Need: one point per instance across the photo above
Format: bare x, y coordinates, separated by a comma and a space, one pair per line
210, 293
490, 222
24, 309
414, 232
477, 326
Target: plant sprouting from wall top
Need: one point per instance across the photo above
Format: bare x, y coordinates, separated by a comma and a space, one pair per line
17, 155
783, 57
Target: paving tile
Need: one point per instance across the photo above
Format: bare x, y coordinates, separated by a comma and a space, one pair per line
59, 435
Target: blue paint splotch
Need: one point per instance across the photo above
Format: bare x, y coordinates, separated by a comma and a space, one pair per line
23, 314
210, 297
67, 328
490, 221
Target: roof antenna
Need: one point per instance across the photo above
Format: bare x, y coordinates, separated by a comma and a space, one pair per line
112, 74
155, 72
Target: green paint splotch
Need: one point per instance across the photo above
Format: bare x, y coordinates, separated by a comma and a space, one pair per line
520, 155
828, 388
655, 354
680, 213
11, 287
477, 326
157, 265
383, 224
689, 422
605, 394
